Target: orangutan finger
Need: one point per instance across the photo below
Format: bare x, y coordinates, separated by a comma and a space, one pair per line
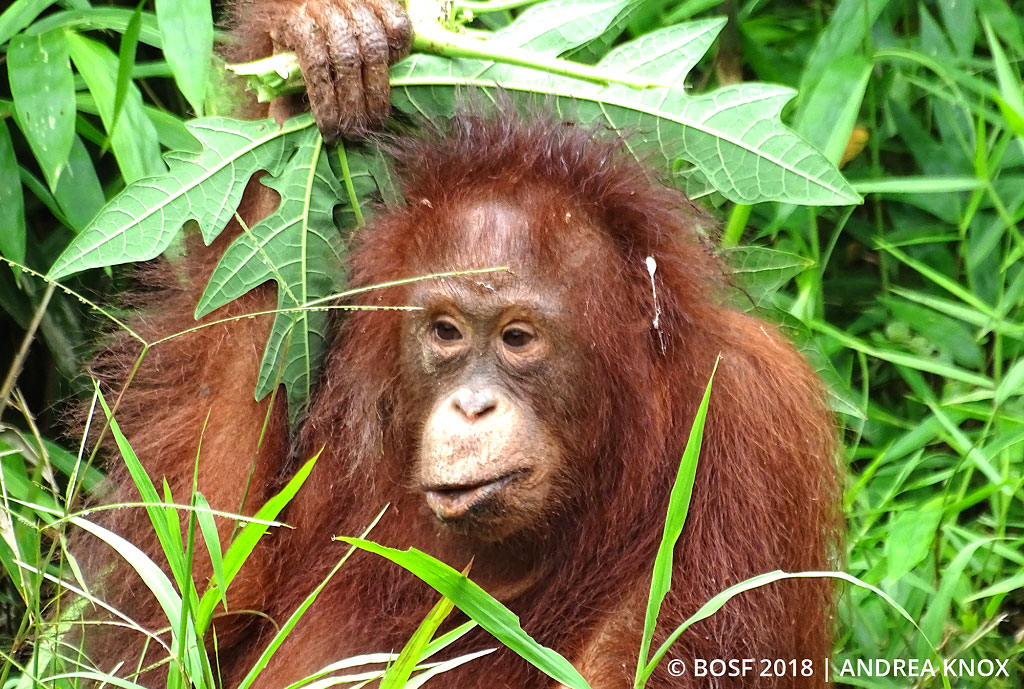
302, 33
347, 64
397, 27
373, 46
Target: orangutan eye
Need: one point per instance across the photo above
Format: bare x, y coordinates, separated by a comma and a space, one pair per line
516, 338
446, 331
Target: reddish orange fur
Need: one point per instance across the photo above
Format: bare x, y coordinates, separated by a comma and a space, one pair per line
251, 22
204, 377
765, 498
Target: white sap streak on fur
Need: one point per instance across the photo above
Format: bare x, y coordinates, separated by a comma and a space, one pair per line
652, 267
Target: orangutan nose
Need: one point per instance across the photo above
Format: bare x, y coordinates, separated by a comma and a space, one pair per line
474, 404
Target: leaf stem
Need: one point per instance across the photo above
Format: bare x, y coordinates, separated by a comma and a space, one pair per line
279, 74
346, 175
484, 7
436, 40
737, 223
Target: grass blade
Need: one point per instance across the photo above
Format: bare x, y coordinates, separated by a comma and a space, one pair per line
678, 508
481, 607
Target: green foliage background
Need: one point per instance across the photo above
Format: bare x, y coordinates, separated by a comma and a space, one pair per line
911, 305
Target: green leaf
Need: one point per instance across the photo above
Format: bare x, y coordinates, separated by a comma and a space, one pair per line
893, 356
1011, 94
299, 247
954, 309
592, 50
133, 139
1004, 18
149, 572
557, 26
1012, 384
211, 538
716, 603
733, 135
481, 607
762, 272
667, 55
187, 30
943, 281
18, 15
139, 223
678, 509
895, 184
12, 220
43, 89
398, 674
162, 588
737, 141
958, 20
1014, 582
247, 539
934, 620
38, 189
165, 524
447, 639
253, 531
126, 60
163, 517
91, 679
78, 191
910, 538
829, 113
172, 133
949, 338
285, 629
843, 36
367, 171
428, 674
100, 19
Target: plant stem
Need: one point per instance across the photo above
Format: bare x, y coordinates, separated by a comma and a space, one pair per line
737, 223
279, 74
495, 6
346, 175
439, 41
26, 342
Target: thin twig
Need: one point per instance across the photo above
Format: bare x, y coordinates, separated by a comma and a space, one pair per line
26, 342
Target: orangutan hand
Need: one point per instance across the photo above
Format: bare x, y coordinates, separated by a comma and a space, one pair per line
344, 49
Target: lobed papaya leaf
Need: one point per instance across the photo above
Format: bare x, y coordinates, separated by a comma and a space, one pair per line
559, 26
733, 137
299, 247
205, 186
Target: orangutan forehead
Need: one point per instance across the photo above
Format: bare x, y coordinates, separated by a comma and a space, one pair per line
495, 231
524, 233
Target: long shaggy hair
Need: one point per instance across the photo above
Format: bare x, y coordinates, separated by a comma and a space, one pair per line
766, 495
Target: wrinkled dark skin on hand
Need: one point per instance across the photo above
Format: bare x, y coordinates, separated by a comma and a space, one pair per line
344, 48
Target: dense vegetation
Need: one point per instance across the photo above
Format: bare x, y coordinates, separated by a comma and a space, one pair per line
910, 304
